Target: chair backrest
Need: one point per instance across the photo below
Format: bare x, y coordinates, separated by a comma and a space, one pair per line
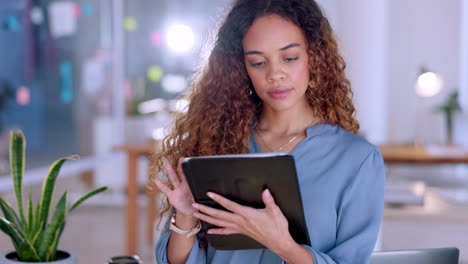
417, 256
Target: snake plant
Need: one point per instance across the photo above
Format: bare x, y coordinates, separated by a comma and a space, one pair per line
449, 108
34, 236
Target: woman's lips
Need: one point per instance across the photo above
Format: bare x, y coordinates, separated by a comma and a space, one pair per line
279, 93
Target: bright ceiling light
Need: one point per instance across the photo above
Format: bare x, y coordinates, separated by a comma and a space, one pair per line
180, 38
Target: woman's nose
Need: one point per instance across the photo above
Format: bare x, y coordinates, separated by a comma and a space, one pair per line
276, 73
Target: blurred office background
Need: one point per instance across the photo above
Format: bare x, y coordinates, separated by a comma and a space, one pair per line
84, 76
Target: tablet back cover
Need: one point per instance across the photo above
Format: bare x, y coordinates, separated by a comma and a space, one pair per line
242, 178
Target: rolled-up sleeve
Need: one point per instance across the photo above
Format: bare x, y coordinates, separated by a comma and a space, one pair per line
197, 255
359, 216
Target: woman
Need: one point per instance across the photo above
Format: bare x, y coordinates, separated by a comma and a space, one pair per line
275, 82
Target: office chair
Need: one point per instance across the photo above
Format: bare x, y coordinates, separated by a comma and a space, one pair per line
417, 256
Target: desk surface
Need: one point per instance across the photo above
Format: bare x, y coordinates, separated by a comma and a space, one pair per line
423, 154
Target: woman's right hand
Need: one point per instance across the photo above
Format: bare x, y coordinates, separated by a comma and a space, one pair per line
180, 197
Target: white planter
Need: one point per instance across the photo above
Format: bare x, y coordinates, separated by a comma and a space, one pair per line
71, 259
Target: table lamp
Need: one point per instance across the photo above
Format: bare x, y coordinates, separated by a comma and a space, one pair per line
428, 84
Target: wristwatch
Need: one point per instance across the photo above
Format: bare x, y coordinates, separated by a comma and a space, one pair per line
187, 233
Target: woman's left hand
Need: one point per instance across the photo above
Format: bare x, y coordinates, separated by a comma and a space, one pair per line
267, 226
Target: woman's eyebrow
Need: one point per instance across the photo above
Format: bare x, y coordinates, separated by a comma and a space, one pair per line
251, 52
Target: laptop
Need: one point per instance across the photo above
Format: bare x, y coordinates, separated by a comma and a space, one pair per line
417, 256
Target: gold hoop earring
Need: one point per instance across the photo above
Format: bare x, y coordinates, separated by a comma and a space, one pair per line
311, 84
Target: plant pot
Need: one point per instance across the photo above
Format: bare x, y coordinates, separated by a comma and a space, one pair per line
62, 256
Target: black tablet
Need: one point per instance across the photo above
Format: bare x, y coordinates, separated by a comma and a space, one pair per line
242, 178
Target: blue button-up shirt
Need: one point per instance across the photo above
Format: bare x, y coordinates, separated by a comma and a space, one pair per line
341, 177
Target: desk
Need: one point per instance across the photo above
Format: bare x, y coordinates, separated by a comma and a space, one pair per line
134, 152
423, 155
395, 155
438, 222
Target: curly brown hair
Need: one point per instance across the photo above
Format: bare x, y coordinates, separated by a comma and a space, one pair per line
221, 112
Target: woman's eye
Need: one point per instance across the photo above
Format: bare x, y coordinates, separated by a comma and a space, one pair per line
291, 59
257, 64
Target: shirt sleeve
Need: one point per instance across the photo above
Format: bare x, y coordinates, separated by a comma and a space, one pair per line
360, 216
197, 255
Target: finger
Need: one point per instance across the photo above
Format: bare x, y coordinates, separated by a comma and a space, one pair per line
222, 231
268, 199
216, 213
213, 221
226, 203
180, 171
163, 187
172, 175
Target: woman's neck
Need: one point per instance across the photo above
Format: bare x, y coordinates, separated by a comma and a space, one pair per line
286, 122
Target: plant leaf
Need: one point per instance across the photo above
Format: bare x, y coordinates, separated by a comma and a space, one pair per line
52, 250
17, 164
27, 252
86, 196
30, 217
48, 188
36, 235
9, 213
37, 220
56, 241
46, 239
8, 228
36, 229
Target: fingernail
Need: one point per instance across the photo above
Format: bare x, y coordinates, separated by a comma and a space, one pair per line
197, 215
209, 231
210, 194
267, 192
195, 205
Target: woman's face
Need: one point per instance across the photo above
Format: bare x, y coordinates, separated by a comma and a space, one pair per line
275, 55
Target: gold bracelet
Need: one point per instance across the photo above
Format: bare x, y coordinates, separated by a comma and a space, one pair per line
187, 233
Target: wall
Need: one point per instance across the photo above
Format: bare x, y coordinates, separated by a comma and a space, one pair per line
421, 33
461, 128
464, 55
384, 44
362, 28
330, 9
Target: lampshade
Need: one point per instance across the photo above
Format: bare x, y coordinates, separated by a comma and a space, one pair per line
428, 84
